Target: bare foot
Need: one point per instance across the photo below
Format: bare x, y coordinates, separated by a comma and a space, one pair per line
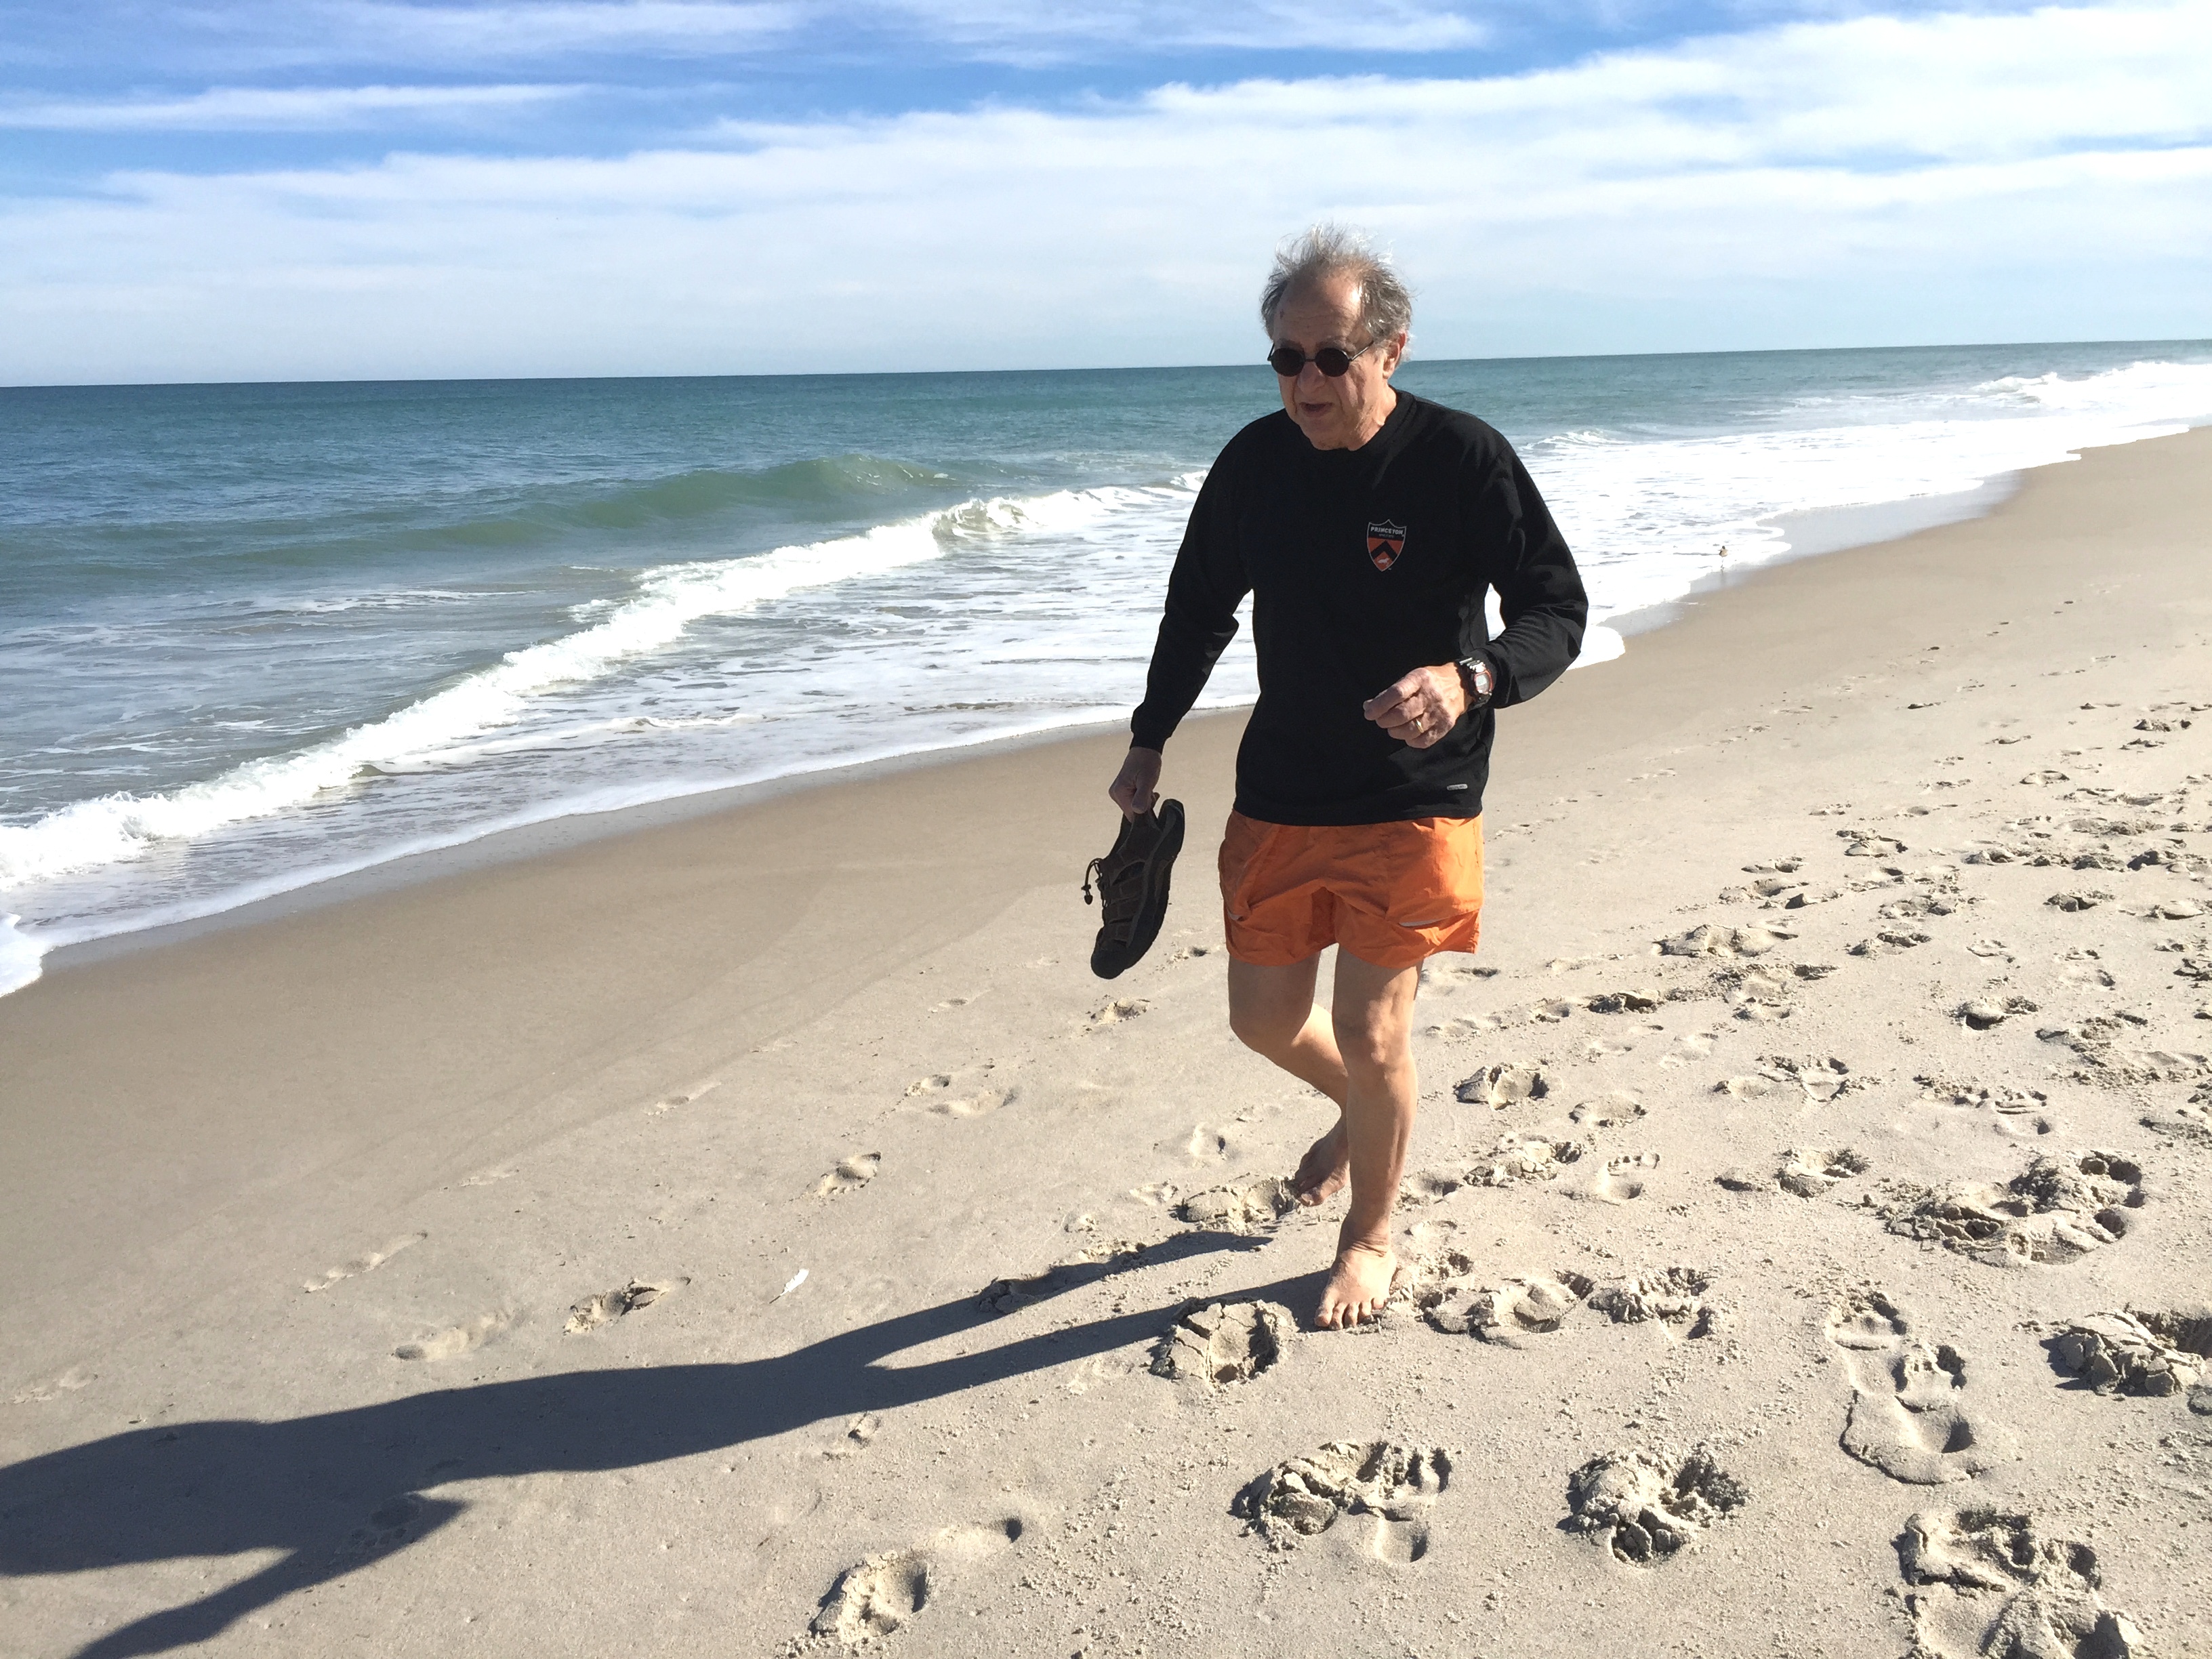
1358, 1286
1324, 1169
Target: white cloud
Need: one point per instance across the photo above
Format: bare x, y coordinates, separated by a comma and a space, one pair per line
1965, 178
233, 109
1019, 30
413, 32
1003, 30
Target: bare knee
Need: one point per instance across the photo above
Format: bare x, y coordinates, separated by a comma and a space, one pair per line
1266, 1027
1372, 1041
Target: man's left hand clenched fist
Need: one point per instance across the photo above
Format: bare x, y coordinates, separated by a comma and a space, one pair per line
1419, 708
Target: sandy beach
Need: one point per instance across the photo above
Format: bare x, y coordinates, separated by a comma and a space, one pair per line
757, 1232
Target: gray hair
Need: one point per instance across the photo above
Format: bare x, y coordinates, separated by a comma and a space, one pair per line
1386, 307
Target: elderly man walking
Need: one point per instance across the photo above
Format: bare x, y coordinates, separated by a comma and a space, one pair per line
1367, 524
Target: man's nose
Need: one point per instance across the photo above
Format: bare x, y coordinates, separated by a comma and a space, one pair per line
1310, 379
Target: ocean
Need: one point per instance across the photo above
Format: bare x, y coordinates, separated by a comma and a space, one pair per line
255, 637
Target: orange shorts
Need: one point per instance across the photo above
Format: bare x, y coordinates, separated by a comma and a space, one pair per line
1392, 894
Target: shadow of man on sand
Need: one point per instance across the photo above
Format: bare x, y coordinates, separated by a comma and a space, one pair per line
335, 1489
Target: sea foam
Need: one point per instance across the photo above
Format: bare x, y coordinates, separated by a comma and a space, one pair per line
117, 828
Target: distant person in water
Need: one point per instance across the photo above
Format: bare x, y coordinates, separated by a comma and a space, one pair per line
1368, 525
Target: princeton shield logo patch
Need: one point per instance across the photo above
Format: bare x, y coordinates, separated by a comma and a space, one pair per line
1385, 542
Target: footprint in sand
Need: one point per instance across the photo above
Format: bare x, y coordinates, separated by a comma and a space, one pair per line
2190, 1121
455, 1340
367, 1263
1446, 977
1518, 1157
968, 1093
1459, 1298
68, 1382
1758, 1085
1814, 1171
1425, 1186
1598, 1048
1759, 993
1820, 1077
860, 1434
1503, 1085
1917, 905
2138, 1352
2087, 898
1866, 844
1646, 1504
1987, 1013
1205, 1145
608, 1306
1616, 1110
1888, 942
1907, 1418
1802, 900
2056, 1211
1987, 1583
850, 1175
393, 1524
1708, 940
2019, 1112
2086, 968
1632, 1001
1690, 1048
1620, 1179
1670, 1297
668, 1103
1240, 1207
1393, 1487
883, 1595
1220, 1345
1006, 1295
2104, 1062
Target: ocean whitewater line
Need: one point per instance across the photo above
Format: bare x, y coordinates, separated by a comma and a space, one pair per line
115, 829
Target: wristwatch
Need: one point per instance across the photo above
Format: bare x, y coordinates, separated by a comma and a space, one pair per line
1475, 674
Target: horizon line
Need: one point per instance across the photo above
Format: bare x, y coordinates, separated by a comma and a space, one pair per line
1078, 369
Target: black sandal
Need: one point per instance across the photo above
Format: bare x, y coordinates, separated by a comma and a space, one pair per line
1133, 888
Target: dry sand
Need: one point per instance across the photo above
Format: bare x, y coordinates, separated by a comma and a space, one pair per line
758, 1233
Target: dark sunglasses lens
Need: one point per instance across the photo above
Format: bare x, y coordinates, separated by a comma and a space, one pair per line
1332, 361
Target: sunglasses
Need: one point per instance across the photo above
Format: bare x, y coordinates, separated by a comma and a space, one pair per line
1332, 361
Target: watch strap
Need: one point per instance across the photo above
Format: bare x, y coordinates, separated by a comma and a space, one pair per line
1479, 679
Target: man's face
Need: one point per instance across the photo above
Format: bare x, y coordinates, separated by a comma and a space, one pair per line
1344, 412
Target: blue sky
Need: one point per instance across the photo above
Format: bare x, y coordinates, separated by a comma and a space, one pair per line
345, 188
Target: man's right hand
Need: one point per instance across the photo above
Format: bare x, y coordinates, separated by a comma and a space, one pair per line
1135, 788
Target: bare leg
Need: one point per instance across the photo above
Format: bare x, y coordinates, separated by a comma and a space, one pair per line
1272, 1012
1372, 1020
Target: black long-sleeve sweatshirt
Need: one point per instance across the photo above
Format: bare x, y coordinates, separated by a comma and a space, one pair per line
1363, 564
